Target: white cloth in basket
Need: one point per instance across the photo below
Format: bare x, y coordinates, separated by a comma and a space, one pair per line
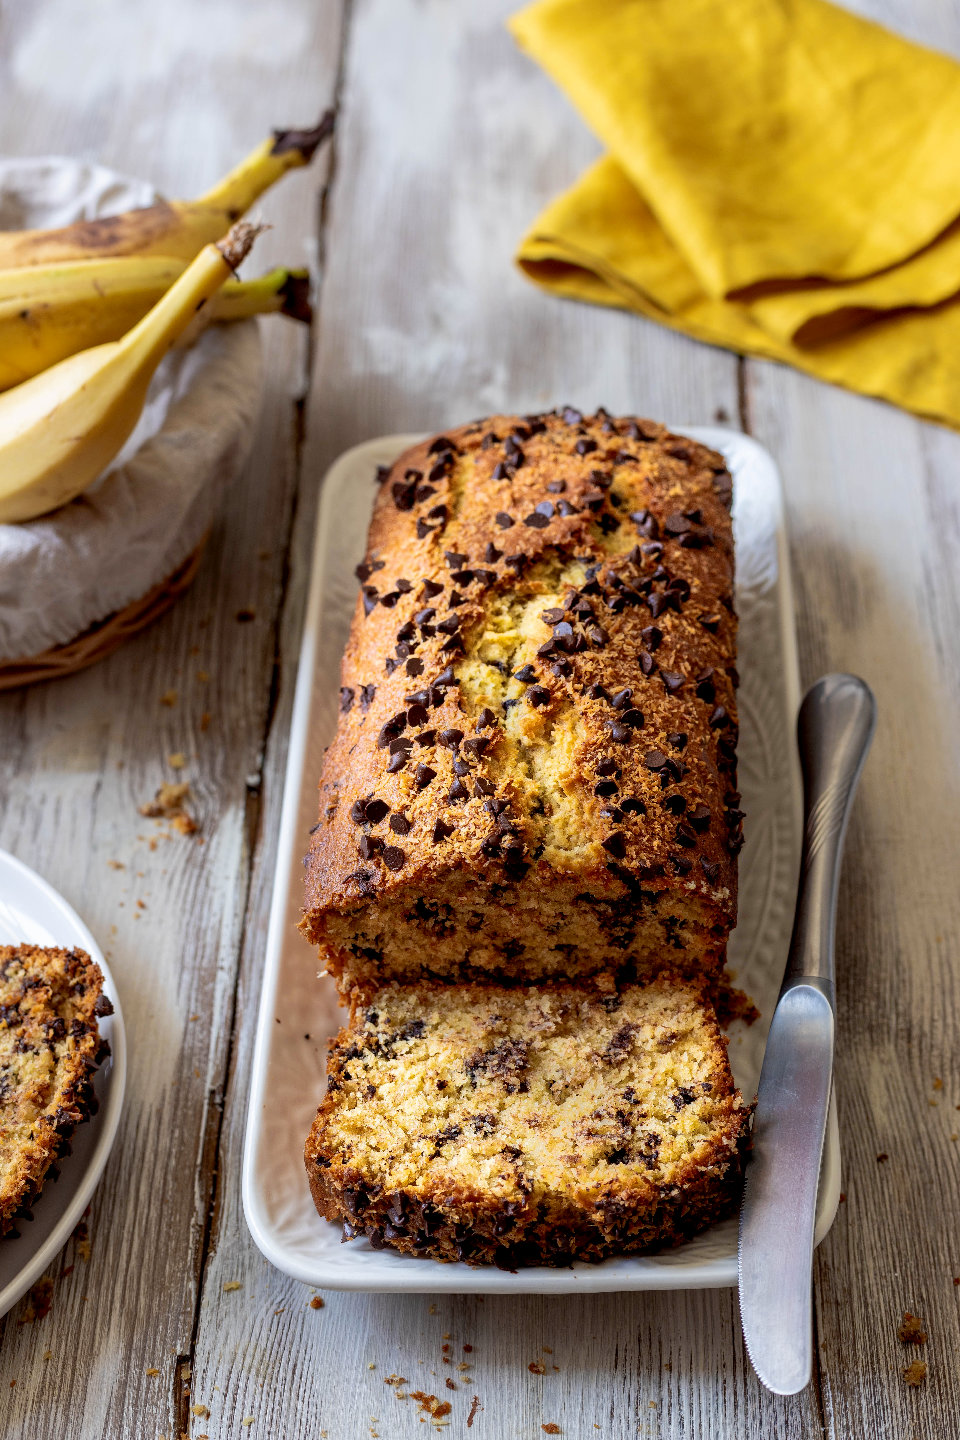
128, 532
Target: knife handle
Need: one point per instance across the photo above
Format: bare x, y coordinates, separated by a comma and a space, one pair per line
834, 729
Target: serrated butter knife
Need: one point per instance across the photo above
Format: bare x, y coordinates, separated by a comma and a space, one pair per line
777, 1215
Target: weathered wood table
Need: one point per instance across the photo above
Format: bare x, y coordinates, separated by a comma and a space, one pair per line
448, 142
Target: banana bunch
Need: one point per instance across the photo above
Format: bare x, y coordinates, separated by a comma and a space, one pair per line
88, 311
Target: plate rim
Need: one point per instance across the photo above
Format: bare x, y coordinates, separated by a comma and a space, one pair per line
107, 1118
720, 1272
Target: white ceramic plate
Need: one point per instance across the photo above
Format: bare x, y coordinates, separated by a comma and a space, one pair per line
298, 1012
32, 912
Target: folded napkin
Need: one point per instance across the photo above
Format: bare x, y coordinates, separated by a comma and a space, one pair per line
782, 178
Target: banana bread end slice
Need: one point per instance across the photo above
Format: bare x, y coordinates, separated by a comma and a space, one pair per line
50, 1000
528, 1125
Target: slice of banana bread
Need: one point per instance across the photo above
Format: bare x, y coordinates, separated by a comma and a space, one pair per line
534, 773
49, 1048
528, 1125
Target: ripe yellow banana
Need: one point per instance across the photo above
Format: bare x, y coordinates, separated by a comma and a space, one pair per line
48, 312
59, 430
177, 228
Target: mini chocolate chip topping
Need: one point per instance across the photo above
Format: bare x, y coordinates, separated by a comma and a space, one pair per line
346, 699
458, 791
699, 817
504, 520
608, 766
400, 825
526, 673
672, 681
375, 811
397, 761
678, 739
552, 616
369, 846
451, 738
417, 715
485, 718
422, 776
620, 699
710, 868
538, 695
536, 521
655, 760
652, 637
431, 589
394, 857
441, 831
615, 844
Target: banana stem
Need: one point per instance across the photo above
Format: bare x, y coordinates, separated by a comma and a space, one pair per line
287, 291
152, 336
285, 150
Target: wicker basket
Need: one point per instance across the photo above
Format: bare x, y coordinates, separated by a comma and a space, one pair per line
103, 638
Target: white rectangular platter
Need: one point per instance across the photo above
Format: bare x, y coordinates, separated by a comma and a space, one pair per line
298, 1011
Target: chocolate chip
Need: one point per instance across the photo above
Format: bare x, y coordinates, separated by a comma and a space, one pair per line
346, 699
655, 760
557, 487
526, 673
597, 635
481, 786
446, 678
418, 715
615, 844
485, 718
652, 637
672, 682
358, 812
454, 559
441, 831
538, 695
646, 524
620, 699
685, 836
431, 589
552, 616
699, 817
400, 825
423, 617
503, 471
491, 554
397, 761
633, 806
647, 662
458, 791
375, 811
369, 846
570, 416
710, 868
393, 857
503, 519
719, 718
585, 446
451, 738
391, 730
633, 718
706, 689
440, 443
484, 577
608, 766
597, 692
424, 774
460, 767
681, 865
678, 739
605, 788
476, 745
370, 598
462, 577
536, 521
710, 622
619, 733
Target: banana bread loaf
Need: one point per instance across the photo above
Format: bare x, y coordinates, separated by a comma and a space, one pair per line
49, 1048
534, 773
528, 1124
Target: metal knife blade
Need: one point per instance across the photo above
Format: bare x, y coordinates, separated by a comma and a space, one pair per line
778, 1212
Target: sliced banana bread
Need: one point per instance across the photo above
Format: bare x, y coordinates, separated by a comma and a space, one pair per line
49, 1048
528, 1125
534, 774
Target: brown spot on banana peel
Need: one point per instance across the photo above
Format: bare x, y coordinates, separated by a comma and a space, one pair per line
103, 234
306, 141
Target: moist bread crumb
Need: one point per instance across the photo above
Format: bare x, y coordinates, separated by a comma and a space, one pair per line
528, 1125
49, 1048
534, 771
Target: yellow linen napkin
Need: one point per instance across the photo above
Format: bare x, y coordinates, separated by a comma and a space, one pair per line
782, 178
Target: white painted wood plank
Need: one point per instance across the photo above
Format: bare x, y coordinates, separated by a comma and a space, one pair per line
874, 515
171, 94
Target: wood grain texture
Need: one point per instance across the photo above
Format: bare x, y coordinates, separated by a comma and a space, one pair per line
180, 101
448, 144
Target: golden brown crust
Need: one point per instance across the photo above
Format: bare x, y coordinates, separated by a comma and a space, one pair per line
534, 1125
630, 557
49, 1048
